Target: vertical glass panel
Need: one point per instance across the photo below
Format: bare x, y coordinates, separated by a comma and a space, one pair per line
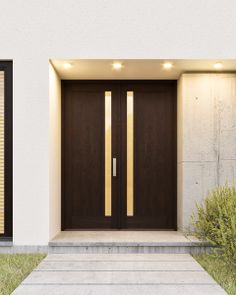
130, 153
1, 152
108, 176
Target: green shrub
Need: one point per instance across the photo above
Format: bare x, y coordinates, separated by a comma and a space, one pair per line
215, 221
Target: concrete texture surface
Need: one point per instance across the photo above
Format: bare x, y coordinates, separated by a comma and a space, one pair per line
125, 238
206, 138
119, 274
125, 242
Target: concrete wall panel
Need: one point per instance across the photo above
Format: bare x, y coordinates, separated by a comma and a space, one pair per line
207, 116
198, 179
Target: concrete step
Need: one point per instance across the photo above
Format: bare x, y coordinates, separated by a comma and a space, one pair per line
125, 242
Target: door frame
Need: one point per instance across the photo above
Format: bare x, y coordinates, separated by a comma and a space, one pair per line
7, 67
120, 189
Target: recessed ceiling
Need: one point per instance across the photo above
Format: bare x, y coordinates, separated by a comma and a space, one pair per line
135, 68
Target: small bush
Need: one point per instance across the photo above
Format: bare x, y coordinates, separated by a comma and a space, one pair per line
215, 221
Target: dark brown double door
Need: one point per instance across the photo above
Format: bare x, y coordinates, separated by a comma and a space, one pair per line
118, 155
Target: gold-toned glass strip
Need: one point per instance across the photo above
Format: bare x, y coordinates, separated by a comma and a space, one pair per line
130, 153
108, 171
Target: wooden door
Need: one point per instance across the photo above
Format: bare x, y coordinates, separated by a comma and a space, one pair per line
84, 203
143, 189
154, 155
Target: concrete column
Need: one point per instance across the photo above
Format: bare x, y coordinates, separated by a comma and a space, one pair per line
206, 138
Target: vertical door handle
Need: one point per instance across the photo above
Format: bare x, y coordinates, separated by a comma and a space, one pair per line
114, 167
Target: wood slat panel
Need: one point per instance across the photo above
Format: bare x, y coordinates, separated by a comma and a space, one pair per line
1, 152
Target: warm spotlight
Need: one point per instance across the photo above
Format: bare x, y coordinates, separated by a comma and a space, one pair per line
117, 66
218, 65
67, 65
167, 66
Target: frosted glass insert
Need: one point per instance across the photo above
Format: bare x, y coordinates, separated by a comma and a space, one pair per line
1, 152
108, 176
130, 153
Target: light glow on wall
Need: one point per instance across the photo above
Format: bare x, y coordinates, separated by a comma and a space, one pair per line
218, 65
67, 65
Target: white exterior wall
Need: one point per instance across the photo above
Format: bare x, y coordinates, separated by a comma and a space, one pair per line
54, 153
32, 32
206, 137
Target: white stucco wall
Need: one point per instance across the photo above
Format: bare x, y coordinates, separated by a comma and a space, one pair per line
34, 31
206, 137
54, 153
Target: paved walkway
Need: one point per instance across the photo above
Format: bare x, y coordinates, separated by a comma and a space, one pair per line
119, 274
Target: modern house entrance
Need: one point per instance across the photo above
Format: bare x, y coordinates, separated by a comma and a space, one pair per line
119, 154
86, 115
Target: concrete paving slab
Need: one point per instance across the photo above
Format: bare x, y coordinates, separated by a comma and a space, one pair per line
120, 257
126, 274
120, 277
118, 265
118, 290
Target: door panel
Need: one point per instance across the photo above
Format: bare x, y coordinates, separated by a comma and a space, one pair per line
154, 155
142, 139
85, 201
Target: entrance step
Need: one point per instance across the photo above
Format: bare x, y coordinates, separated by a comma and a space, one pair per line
126, 242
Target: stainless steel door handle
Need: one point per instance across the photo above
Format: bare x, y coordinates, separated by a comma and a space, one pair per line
114, 167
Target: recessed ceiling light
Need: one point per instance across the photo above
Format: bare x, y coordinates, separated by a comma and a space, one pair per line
117, 66
167, 65
67, 65
218, 65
